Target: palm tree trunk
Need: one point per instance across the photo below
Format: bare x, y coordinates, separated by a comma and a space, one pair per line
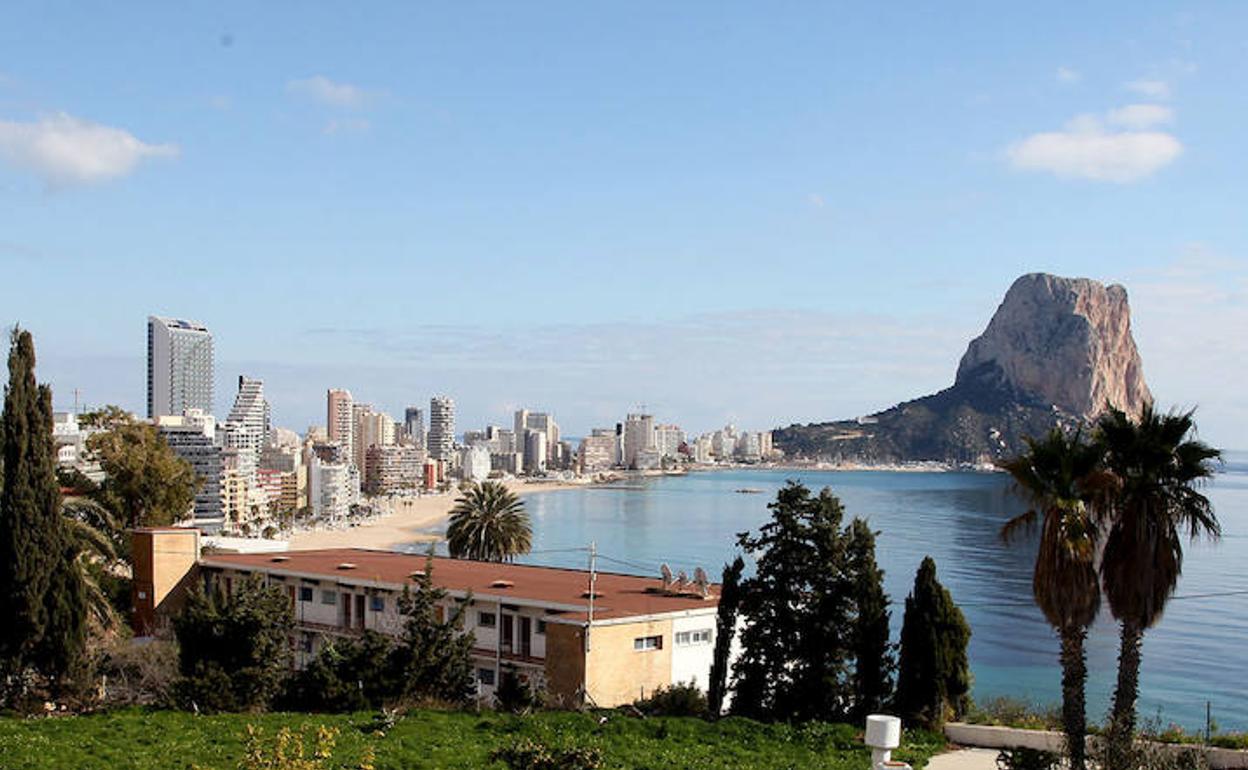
1074, 706
1122, 722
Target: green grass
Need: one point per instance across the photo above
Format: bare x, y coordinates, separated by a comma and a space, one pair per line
437, 739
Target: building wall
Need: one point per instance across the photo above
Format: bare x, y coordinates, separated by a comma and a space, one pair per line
164, 565
691, 661
565, 664
617, 673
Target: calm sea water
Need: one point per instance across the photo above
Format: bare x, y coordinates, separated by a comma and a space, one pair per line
1197, 653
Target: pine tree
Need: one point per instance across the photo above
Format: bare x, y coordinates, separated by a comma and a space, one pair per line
434, 657
796, 645
934, 678
874, 664
725, 631
42, 599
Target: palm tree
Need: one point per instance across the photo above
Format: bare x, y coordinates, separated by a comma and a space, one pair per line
1159, 466
92, 531
489, 523
1062, 477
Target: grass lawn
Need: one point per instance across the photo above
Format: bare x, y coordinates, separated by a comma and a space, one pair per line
436, 739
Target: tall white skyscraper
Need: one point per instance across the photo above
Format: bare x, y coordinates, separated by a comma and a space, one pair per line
179, 366
441, 427
246, 430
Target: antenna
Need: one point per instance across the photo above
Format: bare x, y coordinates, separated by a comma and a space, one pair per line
593, 579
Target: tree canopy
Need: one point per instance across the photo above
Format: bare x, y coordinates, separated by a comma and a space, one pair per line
146, 484
489, 523
934, 677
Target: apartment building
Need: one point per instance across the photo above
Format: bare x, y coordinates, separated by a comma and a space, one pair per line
628, 637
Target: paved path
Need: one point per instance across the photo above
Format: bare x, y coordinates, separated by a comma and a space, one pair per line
965, 759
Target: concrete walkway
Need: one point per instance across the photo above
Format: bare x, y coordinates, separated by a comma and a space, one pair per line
965, 759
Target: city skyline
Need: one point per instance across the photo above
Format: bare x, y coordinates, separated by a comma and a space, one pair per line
738, 215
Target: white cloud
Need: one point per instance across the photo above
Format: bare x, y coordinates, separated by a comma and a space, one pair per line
321, 89
1087, 149
816, 200
1154, 89
66, 151
1068, 75
1140, 116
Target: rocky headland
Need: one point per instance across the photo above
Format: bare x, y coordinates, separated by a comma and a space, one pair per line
1058, 351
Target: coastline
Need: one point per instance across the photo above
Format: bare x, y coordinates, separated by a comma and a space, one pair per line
406, 521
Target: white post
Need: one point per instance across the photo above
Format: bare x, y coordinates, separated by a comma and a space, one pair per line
883, 735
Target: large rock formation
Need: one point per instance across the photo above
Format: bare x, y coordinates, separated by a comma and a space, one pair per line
1062, 341
1057, 352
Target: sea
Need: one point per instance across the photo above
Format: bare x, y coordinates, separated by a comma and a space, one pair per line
1195, 660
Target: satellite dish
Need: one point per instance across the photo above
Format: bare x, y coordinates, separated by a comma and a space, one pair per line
682, 581
666, 572
702, 583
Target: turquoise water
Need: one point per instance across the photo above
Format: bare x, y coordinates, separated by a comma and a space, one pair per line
1198, 652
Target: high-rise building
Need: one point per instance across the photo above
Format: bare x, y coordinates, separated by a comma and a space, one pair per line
191, 437
540, 421
247, 430
474, 463
393, 469
668, 439
638, 437
535, 452
340, 420
414, 424
597, 451
179, 366
441, 427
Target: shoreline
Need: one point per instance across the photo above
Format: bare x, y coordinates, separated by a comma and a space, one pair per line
406, 521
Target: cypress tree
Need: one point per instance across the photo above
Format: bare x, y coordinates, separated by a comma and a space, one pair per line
874, 664
934, 680
725, 630
42, 598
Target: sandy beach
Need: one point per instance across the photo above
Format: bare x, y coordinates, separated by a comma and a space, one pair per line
405, 523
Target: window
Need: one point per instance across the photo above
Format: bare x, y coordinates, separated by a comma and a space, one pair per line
486, 676
329, 597
642, 643
541, 626
691, 638
377, 603
486, 620
305, 594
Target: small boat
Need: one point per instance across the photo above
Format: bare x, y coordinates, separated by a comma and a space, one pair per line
748, 491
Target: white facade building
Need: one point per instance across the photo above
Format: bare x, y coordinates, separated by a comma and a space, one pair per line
441, 427
179, 366
474, 463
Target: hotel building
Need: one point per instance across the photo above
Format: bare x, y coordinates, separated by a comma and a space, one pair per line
179, 366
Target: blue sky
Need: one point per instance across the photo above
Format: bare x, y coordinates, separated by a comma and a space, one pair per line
724, 211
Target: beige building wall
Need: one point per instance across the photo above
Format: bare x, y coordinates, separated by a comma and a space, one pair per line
164, 565
617, 673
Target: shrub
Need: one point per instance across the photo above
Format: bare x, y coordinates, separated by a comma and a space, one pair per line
514, 694
139, 674
679, 700
1027, 759
528, 754
1005, 711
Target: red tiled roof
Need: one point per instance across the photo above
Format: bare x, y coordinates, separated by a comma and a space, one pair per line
617, 596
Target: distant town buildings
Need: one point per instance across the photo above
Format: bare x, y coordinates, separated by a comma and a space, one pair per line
414, 426
179, 366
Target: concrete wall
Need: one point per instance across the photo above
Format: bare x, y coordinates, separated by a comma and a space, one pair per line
617, 673
993, 737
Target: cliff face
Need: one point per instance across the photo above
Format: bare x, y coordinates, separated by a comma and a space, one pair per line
1057, 351
1062, 341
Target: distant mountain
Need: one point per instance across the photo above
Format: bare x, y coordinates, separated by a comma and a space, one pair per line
1057, 351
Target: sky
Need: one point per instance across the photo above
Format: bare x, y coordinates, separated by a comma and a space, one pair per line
743, 212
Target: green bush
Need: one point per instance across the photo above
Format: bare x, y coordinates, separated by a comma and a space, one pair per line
1005, 711
679, 700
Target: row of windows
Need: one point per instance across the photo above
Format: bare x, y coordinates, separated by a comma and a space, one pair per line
683, 639
490, 620
375, 603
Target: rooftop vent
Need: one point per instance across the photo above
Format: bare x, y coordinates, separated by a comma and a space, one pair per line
280, 558
502, 584
417, 574
591, 595
346, 565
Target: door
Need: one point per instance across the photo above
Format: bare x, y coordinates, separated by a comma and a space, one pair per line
344, 619
359, 610
526, 636
507, 627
